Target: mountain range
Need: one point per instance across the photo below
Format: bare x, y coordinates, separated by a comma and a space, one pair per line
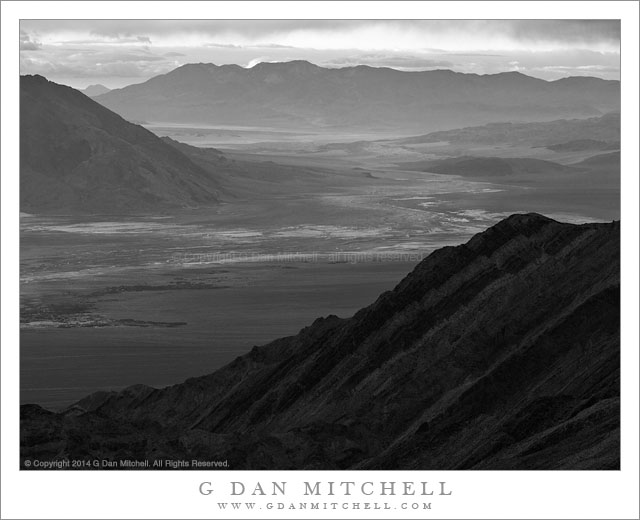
298, 94
501, 353
77, 156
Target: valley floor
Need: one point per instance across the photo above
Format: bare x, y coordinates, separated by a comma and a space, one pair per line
107, 302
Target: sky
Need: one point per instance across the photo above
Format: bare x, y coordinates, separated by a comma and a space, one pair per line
116, 53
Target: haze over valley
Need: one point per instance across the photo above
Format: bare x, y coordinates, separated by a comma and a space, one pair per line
119, 224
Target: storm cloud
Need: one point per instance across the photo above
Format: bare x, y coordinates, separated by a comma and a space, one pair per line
118, 52
587, 32
27, 43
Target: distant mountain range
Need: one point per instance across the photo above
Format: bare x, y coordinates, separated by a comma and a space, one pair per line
76, 156
95, 90
502, 353
299, 94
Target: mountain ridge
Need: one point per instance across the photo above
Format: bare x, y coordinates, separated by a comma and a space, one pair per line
301, 94
309, 65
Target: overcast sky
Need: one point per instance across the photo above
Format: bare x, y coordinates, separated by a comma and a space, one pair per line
116, 53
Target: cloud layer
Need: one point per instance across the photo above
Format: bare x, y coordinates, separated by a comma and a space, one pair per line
119, 52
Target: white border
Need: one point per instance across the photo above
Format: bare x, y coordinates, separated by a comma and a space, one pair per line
175, 495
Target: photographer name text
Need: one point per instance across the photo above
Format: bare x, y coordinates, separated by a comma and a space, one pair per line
329, 488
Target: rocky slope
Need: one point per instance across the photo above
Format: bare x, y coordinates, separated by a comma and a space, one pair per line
299, 94
78, 157
502, 353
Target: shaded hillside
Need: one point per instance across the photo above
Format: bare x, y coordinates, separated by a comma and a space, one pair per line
548, 134
77, 156
492, 167
299, 94
502, 353
583, 145
605, 162
497, 168
601, 170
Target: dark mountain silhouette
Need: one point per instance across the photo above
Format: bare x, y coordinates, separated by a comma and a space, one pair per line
502, 353
77, 156
95, 90
299, 94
